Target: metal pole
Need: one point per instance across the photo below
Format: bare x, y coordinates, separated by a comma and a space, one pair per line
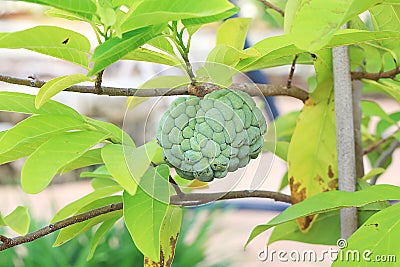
345, 135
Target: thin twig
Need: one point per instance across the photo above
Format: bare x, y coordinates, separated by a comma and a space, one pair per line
390, 74
291, 73
270, 5
383, 158
376, 145
187, 200
250, 88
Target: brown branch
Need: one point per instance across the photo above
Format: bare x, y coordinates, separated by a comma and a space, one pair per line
291, 73
97, 85
199, 90
390, 74
376, 145
186, 200
270, 5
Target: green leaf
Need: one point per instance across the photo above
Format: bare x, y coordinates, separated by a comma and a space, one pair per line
89, 158
233, 32
168, 237
100, 172
285, 125
386, 17
139, 159
50, 40
329, 201
313, 23
115, 158
230, 56
279, 148
24, 103
152, 12
53, 155
370, 108
54, 86
18, 220
285, 181
391, 88
107, 16
327, 223
100, 233
144, 215
115, 48
86, 7
379, 234
117, 135
74, 207
26, 136
68, 233
372, 173
58, 13
144, 54
98, 183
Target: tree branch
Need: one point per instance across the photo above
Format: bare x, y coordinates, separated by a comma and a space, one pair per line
185, 200
199, 90
270, 5
390, 74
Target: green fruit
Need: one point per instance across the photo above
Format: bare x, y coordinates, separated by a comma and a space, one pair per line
207, 138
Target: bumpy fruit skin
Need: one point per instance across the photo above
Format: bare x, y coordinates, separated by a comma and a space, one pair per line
207, 138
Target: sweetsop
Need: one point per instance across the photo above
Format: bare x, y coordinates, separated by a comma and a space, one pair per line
209, 137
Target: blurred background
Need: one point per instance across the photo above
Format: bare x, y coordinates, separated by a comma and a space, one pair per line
215, 235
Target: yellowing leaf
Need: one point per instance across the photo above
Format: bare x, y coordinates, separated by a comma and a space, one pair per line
168, 238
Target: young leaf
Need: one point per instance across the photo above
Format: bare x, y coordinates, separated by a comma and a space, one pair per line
117, 135
379, 235
168, 237
372, 173
18, 220
74, 207
24, 103
386, 18
50, 40
313, 23
144, 214
144, 54
100, 233
233, 32
152, 12
230, 56
329, 201
54, 86
390, 88
89, 158
84, 7
370, 108
53, 155
115, 48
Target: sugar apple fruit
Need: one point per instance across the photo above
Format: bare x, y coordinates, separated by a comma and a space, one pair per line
209, 137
